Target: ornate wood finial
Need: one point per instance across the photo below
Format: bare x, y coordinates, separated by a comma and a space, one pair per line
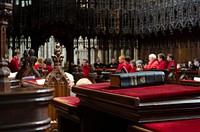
57, 56
28, 65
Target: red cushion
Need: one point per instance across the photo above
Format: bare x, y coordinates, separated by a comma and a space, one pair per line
69, 100
192, 125
96, 86
33, 81
147, 92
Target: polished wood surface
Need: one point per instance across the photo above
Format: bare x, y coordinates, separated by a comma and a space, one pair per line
25, 109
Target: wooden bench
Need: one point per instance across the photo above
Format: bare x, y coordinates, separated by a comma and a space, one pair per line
68, 113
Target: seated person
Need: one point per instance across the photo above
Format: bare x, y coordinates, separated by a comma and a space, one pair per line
171, 63
39, 64
190, 65
98, 64
139, 65
152, 64
196, 64
14, 63
128, 64
113, 64
133, 66
48, 66
121, 64
85, 68
162, 65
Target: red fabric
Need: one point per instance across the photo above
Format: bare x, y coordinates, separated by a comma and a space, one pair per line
70, 100
49, 68
162, 65
128, 67
14, 65
33, 81
151, 65
133, 69
147, 92
86, 71
192, 125
37, 66
96, 86
170, 63
120, 66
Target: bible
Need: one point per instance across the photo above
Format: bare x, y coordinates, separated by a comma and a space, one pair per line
137, 79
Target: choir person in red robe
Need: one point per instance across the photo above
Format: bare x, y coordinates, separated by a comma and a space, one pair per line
128, 64
133, 66
162, 65
152, 64
121, 64
14, 63
171, 63
85, 68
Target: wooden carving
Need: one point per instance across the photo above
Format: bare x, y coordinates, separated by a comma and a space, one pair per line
57, 79
27, 68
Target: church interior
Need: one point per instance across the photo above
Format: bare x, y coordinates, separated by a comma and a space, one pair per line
99, 65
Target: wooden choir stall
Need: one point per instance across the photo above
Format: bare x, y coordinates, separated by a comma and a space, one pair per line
101, 108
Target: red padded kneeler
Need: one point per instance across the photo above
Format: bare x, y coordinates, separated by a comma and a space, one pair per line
69, 100
192, 125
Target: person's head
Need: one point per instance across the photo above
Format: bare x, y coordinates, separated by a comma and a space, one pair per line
161, 57
17, 54
113, 60
196, 61
170, 57
85, 62
97, 59
127, 59
48, 61
121, 58
152, 57
133, 63
40, 60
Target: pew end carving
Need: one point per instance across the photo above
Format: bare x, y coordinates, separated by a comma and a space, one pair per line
58, 80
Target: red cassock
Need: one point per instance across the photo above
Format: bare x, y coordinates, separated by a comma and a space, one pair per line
170, 64
133, 69
14, 65
162, 65
152, 65
120, 66
128, 67
49, 68
86, 71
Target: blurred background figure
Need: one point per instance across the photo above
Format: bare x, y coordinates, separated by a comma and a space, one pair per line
121, 64
48, 66
133, 66
196, 64
162, 65
98, 63
39, 64
153, 63
14, 63
85, 68
139, 65
113, 64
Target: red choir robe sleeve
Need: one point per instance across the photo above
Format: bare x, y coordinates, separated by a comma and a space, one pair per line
14, 65
120, 66
152, 65
162, 65
86, 71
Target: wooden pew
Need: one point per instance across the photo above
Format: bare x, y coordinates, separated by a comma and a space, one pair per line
103, 107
